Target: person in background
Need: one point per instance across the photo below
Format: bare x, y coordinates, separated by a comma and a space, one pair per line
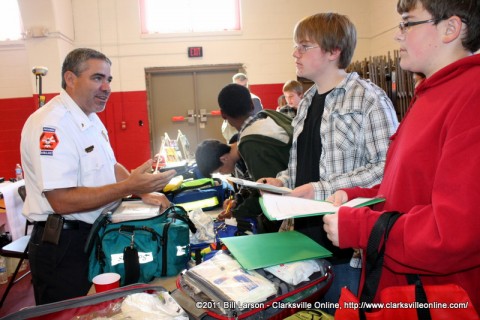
281, 102
70, 170
293, 92
264, 138
264, 143
241, 78
432, 172
341, 131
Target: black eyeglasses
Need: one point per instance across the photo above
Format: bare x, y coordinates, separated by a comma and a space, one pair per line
404, 25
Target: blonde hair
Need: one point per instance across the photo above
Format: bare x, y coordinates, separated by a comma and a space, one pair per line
293, 85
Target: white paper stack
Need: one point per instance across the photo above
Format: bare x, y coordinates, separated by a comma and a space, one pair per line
222, 278
134, 210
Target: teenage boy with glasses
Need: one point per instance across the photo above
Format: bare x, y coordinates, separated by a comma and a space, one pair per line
341, 131
432, 172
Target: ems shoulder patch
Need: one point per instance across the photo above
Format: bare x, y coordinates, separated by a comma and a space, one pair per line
48, 141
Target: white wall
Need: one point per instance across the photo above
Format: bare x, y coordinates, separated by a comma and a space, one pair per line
383, 26
14, 76
113, 27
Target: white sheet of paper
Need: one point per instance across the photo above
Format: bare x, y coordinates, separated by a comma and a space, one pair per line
133, 210
282, 207
260, 186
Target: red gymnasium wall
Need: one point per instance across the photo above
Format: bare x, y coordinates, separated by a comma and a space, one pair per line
126, 118
13, 112
268, 93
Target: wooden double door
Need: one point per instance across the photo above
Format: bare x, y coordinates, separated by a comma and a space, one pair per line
185, 99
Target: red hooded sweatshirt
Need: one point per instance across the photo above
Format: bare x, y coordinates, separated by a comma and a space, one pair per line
432, 175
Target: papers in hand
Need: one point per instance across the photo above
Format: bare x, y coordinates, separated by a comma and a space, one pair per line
260, 186
134, 210
278, 207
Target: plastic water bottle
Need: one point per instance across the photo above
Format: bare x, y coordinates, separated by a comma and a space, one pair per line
3, 270
18, 172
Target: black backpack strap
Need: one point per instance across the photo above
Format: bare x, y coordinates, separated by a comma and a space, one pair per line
177, 212
102, 220
374, 264
375, 252
132, 265
99, 223
420, 296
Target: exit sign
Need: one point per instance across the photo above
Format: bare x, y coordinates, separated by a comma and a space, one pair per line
195, 52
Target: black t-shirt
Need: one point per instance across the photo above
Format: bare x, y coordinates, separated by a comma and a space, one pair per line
309, 149
309, 144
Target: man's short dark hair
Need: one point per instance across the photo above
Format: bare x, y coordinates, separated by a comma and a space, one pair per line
235, 101
75, 61
208, 155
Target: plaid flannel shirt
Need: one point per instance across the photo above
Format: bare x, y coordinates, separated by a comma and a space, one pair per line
357, 123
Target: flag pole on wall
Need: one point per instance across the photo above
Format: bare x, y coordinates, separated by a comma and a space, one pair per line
40, 72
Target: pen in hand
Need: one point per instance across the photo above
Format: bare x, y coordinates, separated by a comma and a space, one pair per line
156, 166
226, 214
159, 155
229, 205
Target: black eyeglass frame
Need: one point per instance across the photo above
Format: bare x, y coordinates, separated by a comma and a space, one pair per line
404, 25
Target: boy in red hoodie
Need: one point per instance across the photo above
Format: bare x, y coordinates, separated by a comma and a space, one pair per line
432, 171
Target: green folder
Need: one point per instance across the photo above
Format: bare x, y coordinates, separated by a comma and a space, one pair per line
270, 249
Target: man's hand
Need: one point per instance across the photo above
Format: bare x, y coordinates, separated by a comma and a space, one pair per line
142, 181
156, 199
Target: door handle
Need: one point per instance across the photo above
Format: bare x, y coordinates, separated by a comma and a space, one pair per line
178, 118
191, 116
203, 115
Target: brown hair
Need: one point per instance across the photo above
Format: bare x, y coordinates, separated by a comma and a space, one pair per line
467, 10
293, 85
330, 31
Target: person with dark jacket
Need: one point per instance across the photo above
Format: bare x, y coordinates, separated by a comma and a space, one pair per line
263, 144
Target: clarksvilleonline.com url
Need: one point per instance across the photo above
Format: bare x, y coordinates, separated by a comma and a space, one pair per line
331, 305
406, 305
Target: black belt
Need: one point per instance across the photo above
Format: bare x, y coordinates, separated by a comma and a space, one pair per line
67, 224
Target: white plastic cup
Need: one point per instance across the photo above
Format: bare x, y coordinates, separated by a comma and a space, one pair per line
106, 281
